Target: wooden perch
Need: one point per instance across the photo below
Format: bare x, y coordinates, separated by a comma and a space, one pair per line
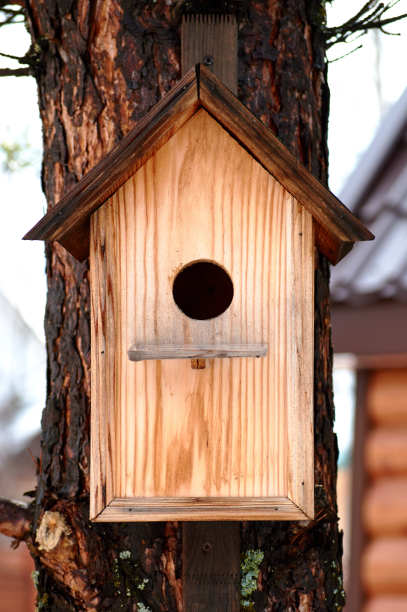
204, 351
15, 520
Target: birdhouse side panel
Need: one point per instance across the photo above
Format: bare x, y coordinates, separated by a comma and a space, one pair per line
300, 356
105, 326
233, 430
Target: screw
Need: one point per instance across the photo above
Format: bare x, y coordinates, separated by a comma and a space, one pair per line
206, 547
208, 60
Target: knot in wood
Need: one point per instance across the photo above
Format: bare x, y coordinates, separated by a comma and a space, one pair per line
52, 527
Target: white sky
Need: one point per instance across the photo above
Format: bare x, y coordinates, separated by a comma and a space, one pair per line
356, 108
22, 278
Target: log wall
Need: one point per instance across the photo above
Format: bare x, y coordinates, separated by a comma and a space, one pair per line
384, 514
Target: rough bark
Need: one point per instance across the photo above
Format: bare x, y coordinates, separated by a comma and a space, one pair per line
100, 66
15, 520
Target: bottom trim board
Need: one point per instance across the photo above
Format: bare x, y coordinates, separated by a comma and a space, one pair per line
135, 509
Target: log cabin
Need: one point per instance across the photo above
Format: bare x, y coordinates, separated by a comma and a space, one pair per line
369, 321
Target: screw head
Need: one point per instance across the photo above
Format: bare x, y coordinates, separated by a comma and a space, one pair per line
206, 547
208, 60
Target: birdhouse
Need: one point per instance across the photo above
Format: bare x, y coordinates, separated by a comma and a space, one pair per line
201, 230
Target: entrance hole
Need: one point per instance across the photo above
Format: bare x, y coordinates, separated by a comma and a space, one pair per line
203, 290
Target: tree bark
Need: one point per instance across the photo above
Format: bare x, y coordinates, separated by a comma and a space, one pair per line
100, 66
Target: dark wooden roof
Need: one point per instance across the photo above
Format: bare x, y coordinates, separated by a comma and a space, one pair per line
68, 222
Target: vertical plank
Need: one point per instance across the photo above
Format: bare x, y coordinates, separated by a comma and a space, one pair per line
102, 422
355, 595
300, 324
211, 567
211, 40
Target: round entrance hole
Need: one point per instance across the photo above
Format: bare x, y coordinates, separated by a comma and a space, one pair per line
202, 290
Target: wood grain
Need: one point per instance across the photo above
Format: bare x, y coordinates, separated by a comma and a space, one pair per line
240, 427
213, 37
135, 509
335, 219
211, 566
206, 351
68, 221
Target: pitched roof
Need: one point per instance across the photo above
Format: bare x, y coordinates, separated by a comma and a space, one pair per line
377, 192
68, 222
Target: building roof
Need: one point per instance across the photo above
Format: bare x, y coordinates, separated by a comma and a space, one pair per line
377, 193
68, 222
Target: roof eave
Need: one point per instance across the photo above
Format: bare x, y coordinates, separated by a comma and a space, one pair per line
68, 222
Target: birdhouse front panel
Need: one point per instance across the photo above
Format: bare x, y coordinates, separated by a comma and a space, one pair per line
202, 272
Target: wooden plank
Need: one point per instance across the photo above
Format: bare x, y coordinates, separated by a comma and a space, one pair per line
384, 506
386, 452
221, 431
325, 208
358, 536
211, 40
103, 438
211, 567
387, 397
384, 567
201, 509
68, 221
299, 322
208, 351
387, 603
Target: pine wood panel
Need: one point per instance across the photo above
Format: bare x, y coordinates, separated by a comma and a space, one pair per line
384, 566
387, 397
211, 556
240, 427
387, 603
386, 452
384, 506
213, 37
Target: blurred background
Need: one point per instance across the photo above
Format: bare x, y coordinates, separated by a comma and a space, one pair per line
368, 171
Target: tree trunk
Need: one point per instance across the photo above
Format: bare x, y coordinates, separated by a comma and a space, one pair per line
100, 66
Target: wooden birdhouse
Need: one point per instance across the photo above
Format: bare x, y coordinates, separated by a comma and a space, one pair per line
201, 230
